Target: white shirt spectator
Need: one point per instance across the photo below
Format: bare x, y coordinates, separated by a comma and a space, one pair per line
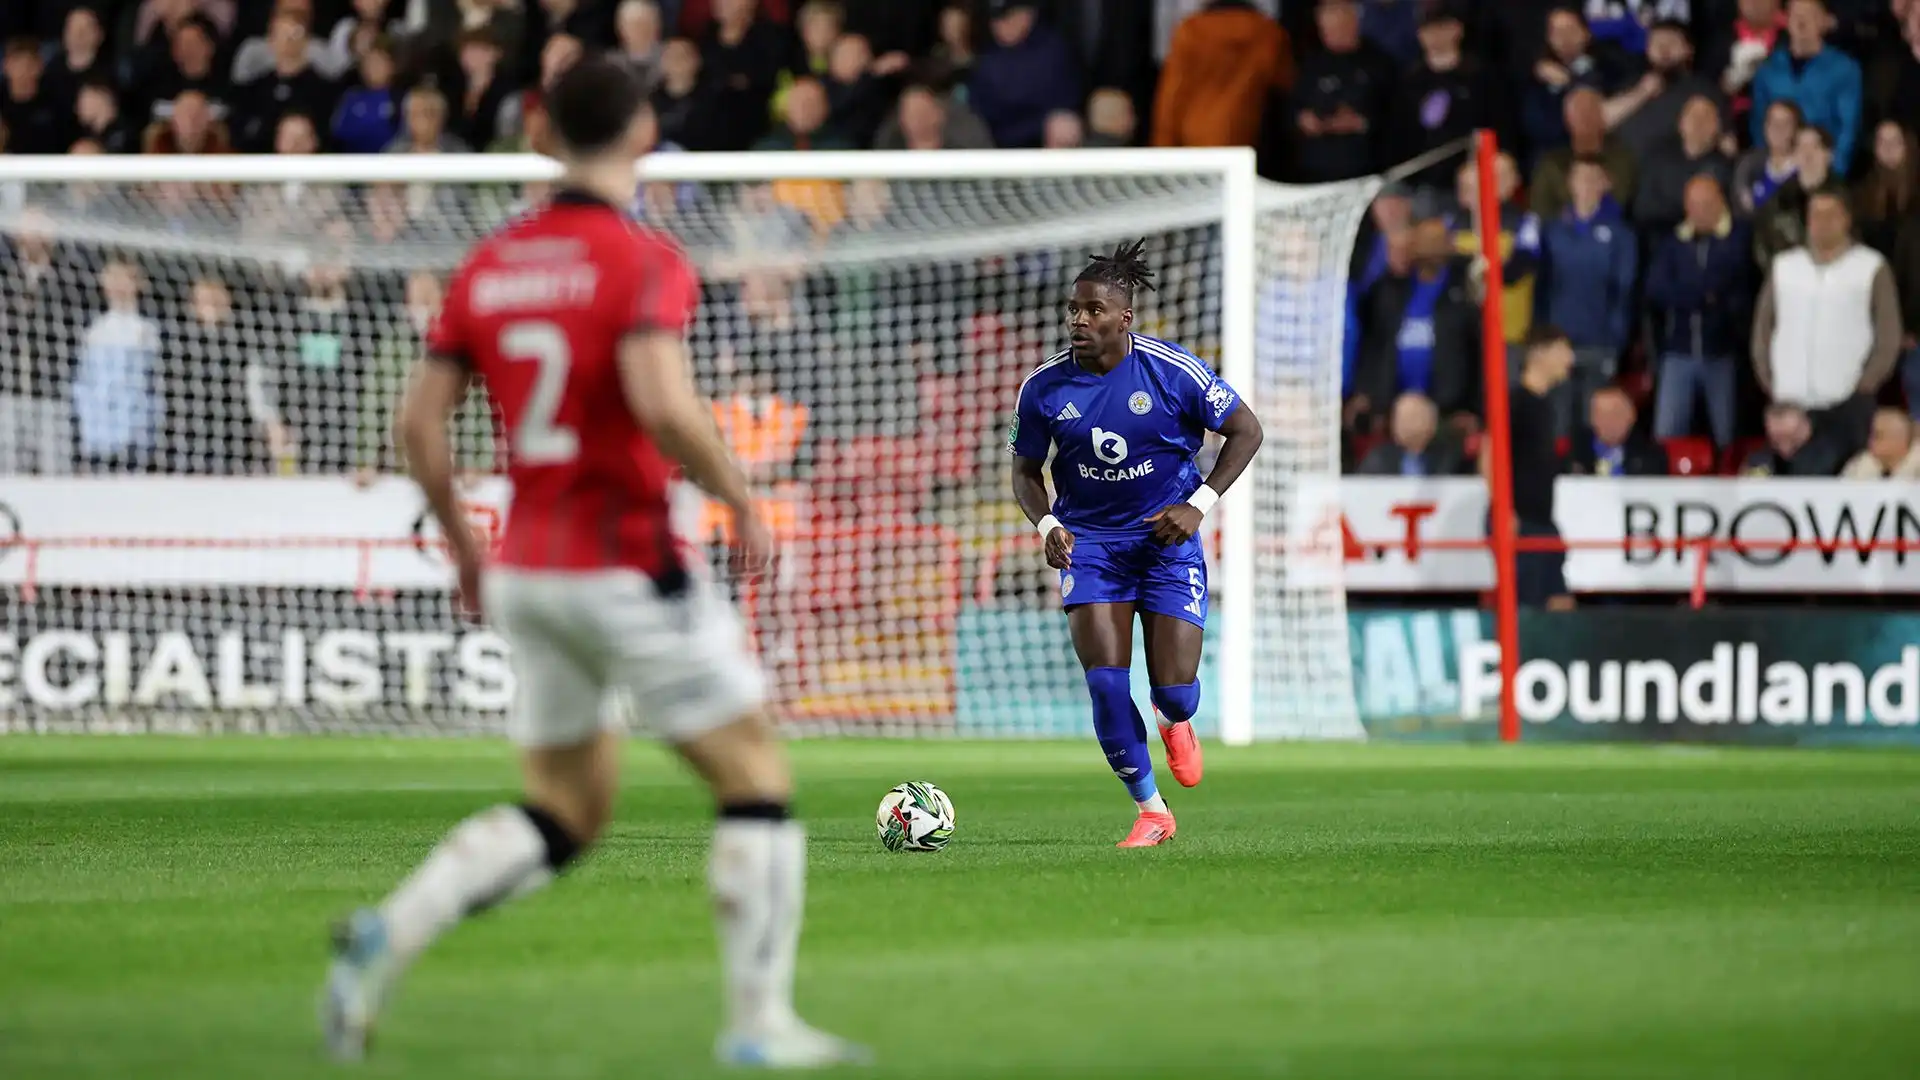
1816, 334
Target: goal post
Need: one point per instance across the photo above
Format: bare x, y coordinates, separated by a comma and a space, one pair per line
200, 525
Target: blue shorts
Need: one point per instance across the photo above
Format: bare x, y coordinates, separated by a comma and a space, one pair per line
1164, 580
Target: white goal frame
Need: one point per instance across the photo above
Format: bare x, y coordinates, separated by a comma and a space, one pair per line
1241, 198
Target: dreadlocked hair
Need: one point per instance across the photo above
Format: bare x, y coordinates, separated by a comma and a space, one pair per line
1125, 269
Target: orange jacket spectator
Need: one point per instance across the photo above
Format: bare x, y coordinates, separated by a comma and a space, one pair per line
1223, 63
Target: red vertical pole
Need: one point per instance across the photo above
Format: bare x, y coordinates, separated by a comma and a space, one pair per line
1498, 442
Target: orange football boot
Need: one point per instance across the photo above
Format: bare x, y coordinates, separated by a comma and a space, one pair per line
1150, 829
1184, 759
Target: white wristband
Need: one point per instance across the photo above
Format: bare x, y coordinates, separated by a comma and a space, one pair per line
1203, 499
1047, 525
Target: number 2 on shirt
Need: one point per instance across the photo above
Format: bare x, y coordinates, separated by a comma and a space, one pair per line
538, 439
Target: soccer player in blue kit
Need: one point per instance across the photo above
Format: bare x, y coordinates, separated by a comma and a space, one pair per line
1125, 415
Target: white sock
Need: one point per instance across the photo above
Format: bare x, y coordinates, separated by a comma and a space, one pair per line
1155, 805
758, 875
493, 856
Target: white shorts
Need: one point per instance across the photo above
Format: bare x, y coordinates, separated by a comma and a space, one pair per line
577, 638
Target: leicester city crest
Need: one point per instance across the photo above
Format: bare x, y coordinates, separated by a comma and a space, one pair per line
1066, 585
1140, 403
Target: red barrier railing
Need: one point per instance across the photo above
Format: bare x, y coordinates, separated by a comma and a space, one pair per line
1702, 551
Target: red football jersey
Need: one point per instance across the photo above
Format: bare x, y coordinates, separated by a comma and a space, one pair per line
537, 313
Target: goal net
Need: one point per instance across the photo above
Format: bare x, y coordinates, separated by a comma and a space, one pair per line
203, 525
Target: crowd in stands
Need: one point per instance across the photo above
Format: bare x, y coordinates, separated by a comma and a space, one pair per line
1714, 199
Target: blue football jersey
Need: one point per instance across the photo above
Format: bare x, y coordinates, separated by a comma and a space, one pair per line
1125, 440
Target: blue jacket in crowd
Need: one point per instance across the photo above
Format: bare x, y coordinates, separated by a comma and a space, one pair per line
1827, 89
1013, 89
1699, 290
1587, 271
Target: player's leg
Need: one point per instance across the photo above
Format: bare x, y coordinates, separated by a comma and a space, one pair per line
684, 661
1099, 592
569, 766
1173, 617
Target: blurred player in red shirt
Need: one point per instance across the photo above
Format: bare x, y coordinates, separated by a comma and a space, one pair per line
574, 319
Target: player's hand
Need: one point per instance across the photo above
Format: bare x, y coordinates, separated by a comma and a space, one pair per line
466, 595
1060, 549
1177, 524
753, 546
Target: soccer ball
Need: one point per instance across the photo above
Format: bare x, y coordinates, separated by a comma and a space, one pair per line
916, 816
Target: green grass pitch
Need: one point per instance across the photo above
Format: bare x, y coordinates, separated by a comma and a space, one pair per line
1325, 912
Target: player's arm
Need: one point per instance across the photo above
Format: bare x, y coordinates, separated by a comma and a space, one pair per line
1027, 442
1219, 409
1242, 435
657, 378
421, 428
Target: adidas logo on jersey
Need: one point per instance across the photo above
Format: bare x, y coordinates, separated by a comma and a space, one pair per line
1069, 413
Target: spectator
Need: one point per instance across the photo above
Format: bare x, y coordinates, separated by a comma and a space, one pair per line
1169, 14
425, 130
189, 65
97, 117
157, 23
766, 430
637, 32
37, 322
950, 66
1571, 63
1823, 81
368, 119
1587, 137
365, 23
1890, 453
926, 121
260, 56
561, 52
685, 105
696, 16
1792, 447
1589, 262
1884, 199
1444, 98
296, 386
1661, 201
81, 57
1342, 88
1757, 29
205, 359
859, 99
189, 129
804, 125
1110, 119
1765, 169
1782, 223
1421, 332
1027, 73
1828, 330
36, 122
1893, 75
1064, 131
1225, 61
116, 404
742, 57
1546, 360
1645, 117
488, 101
818, 26
1519, 242
1698, 289
1611, 446
292, 84
1418, 447
289, 211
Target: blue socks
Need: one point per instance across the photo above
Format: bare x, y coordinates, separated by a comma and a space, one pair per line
1122, 731
1177, 703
